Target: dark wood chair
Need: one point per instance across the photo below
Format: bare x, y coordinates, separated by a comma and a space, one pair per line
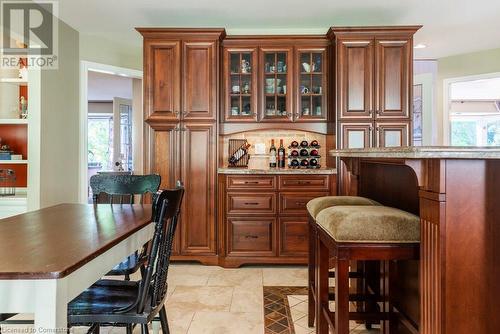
359, 233
121, 189
126, 303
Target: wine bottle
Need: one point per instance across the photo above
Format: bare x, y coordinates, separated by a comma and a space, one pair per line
314, 153
281, 155
304, 163
294, 163
295, 144
314, 143
304, 143
313, 162
294, 153
240, 153
272, 155
304, 152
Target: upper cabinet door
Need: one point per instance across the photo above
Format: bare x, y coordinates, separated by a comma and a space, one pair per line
393, 69
199, 80
240, 84
162, 80
276, 84
311, 89
355, 68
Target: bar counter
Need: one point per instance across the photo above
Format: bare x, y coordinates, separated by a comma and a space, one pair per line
455, 191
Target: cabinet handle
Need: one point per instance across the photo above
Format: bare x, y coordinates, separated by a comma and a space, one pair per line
370, 112
303, 182
378, 112
300, 203
251, 182
251, 237
251, 203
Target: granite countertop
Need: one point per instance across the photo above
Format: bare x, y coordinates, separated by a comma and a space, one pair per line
422, 152
246, 171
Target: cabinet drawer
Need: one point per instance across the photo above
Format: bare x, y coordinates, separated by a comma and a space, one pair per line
251, 182
251, 236
251, 203
304, 182
295, 203
294, 236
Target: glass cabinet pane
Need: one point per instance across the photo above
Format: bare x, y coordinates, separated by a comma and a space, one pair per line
240, 87
275, 69
312, 85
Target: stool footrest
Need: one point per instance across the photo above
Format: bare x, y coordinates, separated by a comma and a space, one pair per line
364, 316
352, 274
359, 297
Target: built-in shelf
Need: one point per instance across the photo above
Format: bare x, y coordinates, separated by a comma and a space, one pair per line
14, 162
13, 121
15, 81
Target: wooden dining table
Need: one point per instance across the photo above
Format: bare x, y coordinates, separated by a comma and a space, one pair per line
49, 256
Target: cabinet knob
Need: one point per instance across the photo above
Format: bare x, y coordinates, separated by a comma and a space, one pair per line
378, 112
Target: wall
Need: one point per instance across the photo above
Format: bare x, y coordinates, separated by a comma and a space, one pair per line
476, 63
59, 124
104, 51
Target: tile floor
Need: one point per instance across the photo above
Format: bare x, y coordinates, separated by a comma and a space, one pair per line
214, 300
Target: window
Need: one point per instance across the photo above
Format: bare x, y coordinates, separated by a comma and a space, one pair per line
475, 112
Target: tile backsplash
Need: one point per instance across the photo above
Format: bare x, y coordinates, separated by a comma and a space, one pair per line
264, 137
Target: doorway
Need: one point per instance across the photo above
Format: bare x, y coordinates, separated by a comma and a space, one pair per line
111, 123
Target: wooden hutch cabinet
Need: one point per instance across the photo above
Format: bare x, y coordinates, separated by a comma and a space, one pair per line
181, 80
374, 80
275, 79
201, 87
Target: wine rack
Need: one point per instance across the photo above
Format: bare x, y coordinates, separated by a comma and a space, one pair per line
304, 155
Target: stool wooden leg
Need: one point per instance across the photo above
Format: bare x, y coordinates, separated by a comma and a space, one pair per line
341, 295
322, 266
312, 276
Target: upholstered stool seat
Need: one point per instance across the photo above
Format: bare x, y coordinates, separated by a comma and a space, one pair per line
379, 224
356, 233
318, 204
314, 207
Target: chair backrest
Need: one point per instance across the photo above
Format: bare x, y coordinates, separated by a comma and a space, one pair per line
166, 209
121, 188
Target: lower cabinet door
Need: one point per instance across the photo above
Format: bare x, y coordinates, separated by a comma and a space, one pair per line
294, 236
198, 171
251, 236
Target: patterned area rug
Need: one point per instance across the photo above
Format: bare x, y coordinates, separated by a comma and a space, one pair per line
277, 315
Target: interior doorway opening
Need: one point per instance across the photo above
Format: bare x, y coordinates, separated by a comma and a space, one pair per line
111, 123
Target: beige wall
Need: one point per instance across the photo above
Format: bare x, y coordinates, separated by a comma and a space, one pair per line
59, 124
476, 63
103, 51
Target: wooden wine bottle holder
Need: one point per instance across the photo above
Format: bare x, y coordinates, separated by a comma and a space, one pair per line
234, 145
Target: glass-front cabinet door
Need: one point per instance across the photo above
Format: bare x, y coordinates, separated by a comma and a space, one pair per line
312, 85
240, 81
275, 66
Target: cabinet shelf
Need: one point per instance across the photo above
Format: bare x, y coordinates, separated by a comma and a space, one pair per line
273, 73
13, 121
13, 162
236, 94
14, 81
238, 73
311, 94
317, 73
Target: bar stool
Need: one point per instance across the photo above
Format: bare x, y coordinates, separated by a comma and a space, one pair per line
358, 233
314, 207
